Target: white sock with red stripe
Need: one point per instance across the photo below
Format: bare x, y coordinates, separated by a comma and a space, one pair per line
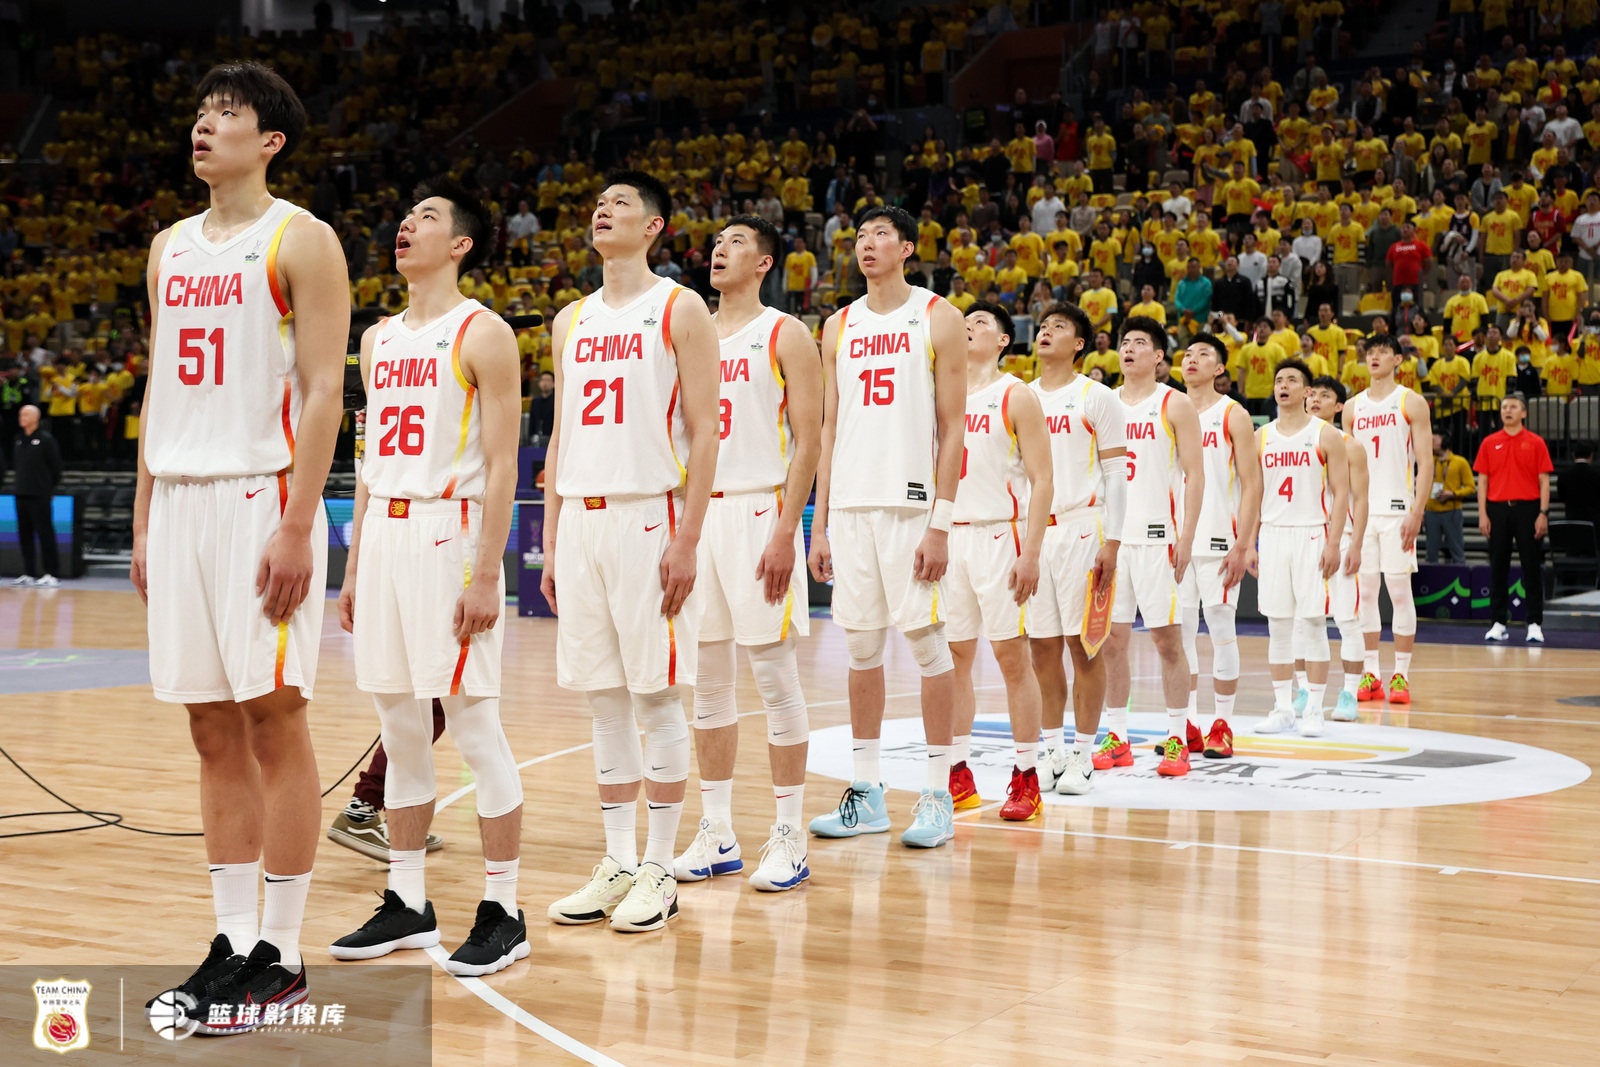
1116, 720
1224, 703
500, 883
790, 801
1402, 665
407, 878
716, 801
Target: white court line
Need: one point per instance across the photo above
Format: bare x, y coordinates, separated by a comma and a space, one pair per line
1439, 868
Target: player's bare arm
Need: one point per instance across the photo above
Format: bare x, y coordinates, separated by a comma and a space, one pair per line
1186, 434
949, 334
1332, 444
694, 341
1416, 410
146, 483
1356, 456
1241, 431
491, 363
552, 500
802, 390
347, 591
1248, 533
313, 274
1033, 442
820, 558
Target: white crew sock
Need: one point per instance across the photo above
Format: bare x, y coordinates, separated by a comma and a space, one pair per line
864, 754
500, 883
233, 897
622, 833
407, 877
282, 912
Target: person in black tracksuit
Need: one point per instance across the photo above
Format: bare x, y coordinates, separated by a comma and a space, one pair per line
36, 459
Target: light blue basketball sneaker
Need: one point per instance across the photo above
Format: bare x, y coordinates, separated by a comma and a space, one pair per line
933, 820
1346, 710
861, 811
1300, 698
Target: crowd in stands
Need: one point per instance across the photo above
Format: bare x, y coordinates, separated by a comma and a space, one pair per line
1289, 203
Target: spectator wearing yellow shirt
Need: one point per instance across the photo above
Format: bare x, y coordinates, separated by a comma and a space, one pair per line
1237, 196
1105, 251
1102, 151
929, 233
1500, 228
1104, 358
1205, 244
1345, 237
1520, 197
1529, 329
1354, 374
1560, 371
1450, 380
1492, 368
1586, 349
1097, 301
1566, 295
1328, 159
980, 277
1010, 279
1442, 518
1149, 305
1029, 247
1328, 337
1512, 284
1465, 310
799, 275
1258, 361
959, 296
1020, 151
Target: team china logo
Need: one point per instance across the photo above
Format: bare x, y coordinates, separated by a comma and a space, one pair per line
1374, 422
62, 1024
608, 348
1352, 766
879, 344
404, 373
1294, 458
204, 291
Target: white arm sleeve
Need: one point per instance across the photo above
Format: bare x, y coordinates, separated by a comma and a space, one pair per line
1110, 421
1116, 471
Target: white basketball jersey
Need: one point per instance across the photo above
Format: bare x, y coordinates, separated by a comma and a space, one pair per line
1385, 433
1219, 507
993, 486
622, 429
1083, 418
1153, 474
753, 415
1294, 476
223, 399
886, 427
424, 421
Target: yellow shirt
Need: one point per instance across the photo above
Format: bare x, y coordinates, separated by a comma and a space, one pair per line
1010, 279
1560, 375
1355, 376
1587, 353
1346, 241
1492, 370
1109, 362
1564, 288
1465, 311
928, 235
1521, 200
1260, 363
1101, 148
1445, 375
1330, 342
797, 268
1154, 309
1104, 254
1030, 253
1060, 271
1099, 304
1206, 246
1239, 196
1500, 229
1516, 284
980, 277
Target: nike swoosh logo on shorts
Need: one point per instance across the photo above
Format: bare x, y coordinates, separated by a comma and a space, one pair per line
762, 512
657, 526
436, 544
1082, 536
998, 536
253, 493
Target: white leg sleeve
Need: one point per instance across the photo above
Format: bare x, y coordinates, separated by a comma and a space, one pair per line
1371, 621
1405, 605
474, 724
666, 735
1313, 638
714, 702
407, 723
1280, 641
617, 758
1191, 637
1351, 645
865, 648
1221, 621
931, 651
778, 681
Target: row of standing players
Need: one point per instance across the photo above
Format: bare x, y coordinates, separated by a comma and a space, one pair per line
678, 441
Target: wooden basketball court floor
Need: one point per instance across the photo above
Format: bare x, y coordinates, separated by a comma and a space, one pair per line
1462, 933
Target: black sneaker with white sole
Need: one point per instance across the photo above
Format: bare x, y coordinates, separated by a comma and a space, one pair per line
393, 926
496, 942
242, 1001
219, 964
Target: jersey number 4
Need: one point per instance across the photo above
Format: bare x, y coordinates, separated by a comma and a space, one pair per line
1286, 490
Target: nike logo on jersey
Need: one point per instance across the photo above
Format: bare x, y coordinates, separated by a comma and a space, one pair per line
657, 526
436, 544
1083, 536
762, 512
384, 340
998, 536
253, 494
179, 252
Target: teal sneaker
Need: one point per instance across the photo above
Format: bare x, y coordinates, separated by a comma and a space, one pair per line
1345, 710
933, 820
1300, 698
861, 811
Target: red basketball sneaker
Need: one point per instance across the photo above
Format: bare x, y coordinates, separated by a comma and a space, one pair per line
1174, 759
1197, 743
1219, 742
1369, 688
1113, 752
1399, 690
963, 790
1022, 798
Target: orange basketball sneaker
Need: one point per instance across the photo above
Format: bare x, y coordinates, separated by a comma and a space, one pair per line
1197, 743
963, 790
1174, 759
1022, 796
1369, 688
1113, 752
1399, 690
1219, 742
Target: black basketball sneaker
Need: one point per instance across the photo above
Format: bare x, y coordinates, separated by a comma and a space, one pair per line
496, 942
219, 964
392, 927
260, 991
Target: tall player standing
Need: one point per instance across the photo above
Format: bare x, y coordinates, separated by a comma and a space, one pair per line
1000, 521
1157, 541
751, 571
424, 584
1304, 498
250, 317
1221, 557
1087, 429
1325, 401
634, 448
894, 364
1391, 422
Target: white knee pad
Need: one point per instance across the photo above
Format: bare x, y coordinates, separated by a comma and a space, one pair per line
865, 648
1404, 622
1351, 645
407, 723
1281, 641
778, 681
714, 703
1313, 639
666, 735
931, 651
1191, 637
1220, 620
617, 758
1371, 621
474, 723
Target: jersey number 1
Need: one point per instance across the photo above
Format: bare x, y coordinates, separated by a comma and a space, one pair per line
192, 354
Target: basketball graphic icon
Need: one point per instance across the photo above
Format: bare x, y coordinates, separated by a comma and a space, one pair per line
172, 1015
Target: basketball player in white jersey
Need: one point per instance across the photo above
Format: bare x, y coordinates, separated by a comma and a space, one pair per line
751, 578
1391, 422
424, 586
1304, 496
1087, 431
250, 315
894, 364
1157, 540
634, 450
1326, 401
1231, 503
994, 553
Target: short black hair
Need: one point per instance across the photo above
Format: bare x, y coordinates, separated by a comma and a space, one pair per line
767, 238
263, 90
904, 224
467, 218
1081, 327
1583, 450
1215, 342
1002, 318
1383, 340
1149, 327
1297, 365
652, 191
1330, 383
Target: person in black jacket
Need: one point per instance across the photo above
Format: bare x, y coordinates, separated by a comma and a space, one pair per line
1234, 294
1579, 485
37, 461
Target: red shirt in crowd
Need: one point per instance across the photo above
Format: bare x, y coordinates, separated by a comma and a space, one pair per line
1551, 226
1407, 257
1513, 463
